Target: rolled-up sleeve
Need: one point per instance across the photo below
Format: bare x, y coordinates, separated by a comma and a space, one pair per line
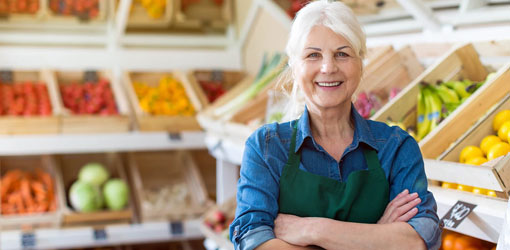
257, 197
408, 173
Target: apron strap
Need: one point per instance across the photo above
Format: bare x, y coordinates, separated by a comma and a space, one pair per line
371, 158
294, 159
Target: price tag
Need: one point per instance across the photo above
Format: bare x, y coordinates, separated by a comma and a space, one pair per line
100, 235
457, 214
6, 76
217, 76
175, 136
90, 76
28, 240
176, 228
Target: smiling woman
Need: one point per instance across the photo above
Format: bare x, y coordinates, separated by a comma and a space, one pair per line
329, 178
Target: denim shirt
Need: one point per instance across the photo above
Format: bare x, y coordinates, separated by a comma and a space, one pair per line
266, 153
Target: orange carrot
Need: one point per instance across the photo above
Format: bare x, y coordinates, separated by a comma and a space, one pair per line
25, 192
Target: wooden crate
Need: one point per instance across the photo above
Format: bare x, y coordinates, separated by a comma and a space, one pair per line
36, 220
461, 62
162, 172
69, 166
138, 17
34, 124
228, 208
17, 18
100, 19
228, 80
173, 124
204, 14
72, 123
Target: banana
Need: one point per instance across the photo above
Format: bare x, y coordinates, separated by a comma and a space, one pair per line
459, 87
435, 105
447, 95
423, 122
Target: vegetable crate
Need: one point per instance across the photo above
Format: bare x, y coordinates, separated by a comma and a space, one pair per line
93, 117
214, 83
180, 121
89, 12
33, 193
462, 62
29, 14
167, 186
70, 165
212, 14
34, 123
216, 221
140, 18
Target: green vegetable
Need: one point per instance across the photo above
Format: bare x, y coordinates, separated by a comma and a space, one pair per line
116, 194
93, 173
85, 197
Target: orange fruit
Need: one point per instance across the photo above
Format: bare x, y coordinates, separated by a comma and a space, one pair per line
503, 131
449, 185
448, 241
477, 161
464, 188
497, 150
487, 143
500, 118
469, 152
462, 243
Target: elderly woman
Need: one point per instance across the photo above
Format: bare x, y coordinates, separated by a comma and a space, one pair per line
326, 179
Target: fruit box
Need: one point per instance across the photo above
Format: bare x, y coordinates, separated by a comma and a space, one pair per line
462, 62
10, 124
139, 18
211, 14
167, 186
69, 166
76, 19
35, 220
17, 18
210, 218
169, 123
205, 78
389, 69
92, 123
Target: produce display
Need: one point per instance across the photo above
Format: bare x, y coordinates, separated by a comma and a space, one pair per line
94, 190
92, 97
84, 9
367, 104
436, 102
24, 99
219, 222
172, 197
24, 192
154, 8
19, 6
456, 241
168, 98
213, 89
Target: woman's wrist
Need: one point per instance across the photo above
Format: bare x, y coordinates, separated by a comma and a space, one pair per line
311, 230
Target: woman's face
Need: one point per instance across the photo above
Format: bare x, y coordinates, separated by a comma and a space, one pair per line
327, 69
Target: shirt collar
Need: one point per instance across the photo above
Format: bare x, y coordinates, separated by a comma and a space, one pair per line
362, 131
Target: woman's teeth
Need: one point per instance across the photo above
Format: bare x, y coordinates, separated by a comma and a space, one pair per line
328, 84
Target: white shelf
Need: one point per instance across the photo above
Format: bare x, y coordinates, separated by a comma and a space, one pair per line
104, 142
115, 235
225, 149
486, 220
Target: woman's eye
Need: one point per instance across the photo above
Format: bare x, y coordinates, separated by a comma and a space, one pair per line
341, 54
313, 55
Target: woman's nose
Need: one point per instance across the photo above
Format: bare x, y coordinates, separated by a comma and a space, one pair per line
328, 66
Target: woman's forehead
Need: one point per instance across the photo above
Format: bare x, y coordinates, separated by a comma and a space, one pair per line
323, 37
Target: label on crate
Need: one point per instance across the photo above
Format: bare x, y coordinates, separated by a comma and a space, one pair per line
6, 76
100, 235
176, 228
175, 136
457, 214
28, 240
90, 76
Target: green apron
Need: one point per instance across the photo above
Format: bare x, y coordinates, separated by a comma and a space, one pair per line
363, 198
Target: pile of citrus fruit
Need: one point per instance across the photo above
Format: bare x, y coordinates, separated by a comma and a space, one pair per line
456, 241
490, 148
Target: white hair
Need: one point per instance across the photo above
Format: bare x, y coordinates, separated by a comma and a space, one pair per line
332, 14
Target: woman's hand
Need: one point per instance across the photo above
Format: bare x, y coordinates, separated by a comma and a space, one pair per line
401, 209
291, 229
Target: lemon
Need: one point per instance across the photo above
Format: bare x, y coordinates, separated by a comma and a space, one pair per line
449, 185
497, 150
487, 143
491, 193
500, 118
479, 160
503, 131
479, 190
464, 188
470, 152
